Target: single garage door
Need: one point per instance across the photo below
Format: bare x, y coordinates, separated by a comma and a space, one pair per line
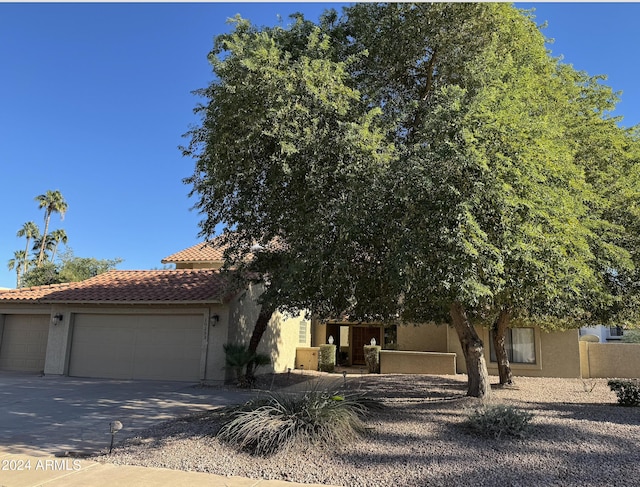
24, 342
164, 347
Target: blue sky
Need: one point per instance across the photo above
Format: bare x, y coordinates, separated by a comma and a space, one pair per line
95, 98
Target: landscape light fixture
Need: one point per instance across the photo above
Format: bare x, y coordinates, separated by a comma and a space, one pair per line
114, 427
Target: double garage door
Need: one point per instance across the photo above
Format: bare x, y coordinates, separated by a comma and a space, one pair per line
24, 342
164, 347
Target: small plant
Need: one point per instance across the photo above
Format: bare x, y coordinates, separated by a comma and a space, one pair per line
628, 391
281, 421
238, 356
499, 420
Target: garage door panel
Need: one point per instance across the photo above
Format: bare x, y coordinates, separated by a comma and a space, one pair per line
136, 346
24, 342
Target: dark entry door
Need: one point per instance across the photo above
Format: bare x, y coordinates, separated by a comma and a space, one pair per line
361, 336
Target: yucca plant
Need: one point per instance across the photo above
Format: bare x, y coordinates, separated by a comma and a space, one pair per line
280, 421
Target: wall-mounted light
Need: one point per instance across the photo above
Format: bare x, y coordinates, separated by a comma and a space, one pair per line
330, 340
214, 319
57, 318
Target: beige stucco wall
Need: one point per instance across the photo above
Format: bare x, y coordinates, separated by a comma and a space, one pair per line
406, 362
610, 360
281, 338
557, 354
423, 338
307, 358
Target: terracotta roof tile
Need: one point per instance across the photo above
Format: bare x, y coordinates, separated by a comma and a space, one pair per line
200, 252
166, 286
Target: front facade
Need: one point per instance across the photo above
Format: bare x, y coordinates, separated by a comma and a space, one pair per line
532, 351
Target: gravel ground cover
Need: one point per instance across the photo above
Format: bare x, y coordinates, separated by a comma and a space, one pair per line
579, 437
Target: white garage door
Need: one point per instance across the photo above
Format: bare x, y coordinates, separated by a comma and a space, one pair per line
165, 347
24, 342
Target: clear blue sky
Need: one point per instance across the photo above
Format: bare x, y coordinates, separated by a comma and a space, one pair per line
95, 98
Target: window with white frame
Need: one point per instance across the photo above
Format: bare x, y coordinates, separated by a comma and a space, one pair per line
520, 344
302, 331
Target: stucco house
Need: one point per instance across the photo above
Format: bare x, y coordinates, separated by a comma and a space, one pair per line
161, 324
172, 324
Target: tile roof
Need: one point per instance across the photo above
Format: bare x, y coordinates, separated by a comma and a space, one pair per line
201, 252
163, 286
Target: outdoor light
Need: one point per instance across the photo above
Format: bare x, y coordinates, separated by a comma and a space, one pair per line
330, 340
373, 342
114, 428
213, 319
57, 318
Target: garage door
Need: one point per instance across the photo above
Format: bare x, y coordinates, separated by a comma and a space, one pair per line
136, 346
24, 342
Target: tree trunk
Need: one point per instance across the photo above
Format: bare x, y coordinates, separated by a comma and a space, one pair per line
473, 349
500, 328
258, 330
44, 238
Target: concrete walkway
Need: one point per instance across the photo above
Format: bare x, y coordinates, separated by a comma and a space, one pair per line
31, 470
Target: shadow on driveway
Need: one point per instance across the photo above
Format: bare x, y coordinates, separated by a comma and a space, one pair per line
57, 414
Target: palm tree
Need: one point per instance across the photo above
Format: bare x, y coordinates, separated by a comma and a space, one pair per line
52, 202
58, 236
18, 262
29, 230
44, 242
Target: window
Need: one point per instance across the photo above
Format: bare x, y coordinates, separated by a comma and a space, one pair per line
520, 345
302, 331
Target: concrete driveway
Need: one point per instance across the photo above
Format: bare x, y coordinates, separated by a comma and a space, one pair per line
57, 414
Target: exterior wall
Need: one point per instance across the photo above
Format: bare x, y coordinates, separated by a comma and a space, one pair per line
610, 360
423, 338
403, 362
281, 338
557, 354
307, 358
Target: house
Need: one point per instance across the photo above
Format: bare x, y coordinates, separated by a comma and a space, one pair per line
161, 324
172, 325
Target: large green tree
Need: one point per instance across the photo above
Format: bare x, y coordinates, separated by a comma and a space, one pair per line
411, 160
51, 202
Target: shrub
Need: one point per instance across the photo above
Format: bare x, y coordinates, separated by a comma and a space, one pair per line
238, 356
327, 358
499, 420
281, 421
628, 391
372, 358
631, 336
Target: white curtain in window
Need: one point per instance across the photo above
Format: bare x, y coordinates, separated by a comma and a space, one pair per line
523, 345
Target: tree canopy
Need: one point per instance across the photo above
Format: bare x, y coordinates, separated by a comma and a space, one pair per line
424, 161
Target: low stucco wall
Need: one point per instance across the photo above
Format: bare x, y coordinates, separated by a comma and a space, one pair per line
608, 360
307, 358
408, 362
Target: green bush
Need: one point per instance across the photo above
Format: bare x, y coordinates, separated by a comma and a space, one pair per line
499, 420
327, 358
281, 421
372, 358
238, 356
628, 391
631, 336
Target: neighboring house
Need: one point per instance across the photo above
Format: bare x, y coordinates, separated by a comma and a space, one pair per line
604, 333
164, 324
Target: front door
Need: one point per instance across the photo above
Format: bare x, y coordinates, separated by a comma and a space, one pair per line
361, 336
